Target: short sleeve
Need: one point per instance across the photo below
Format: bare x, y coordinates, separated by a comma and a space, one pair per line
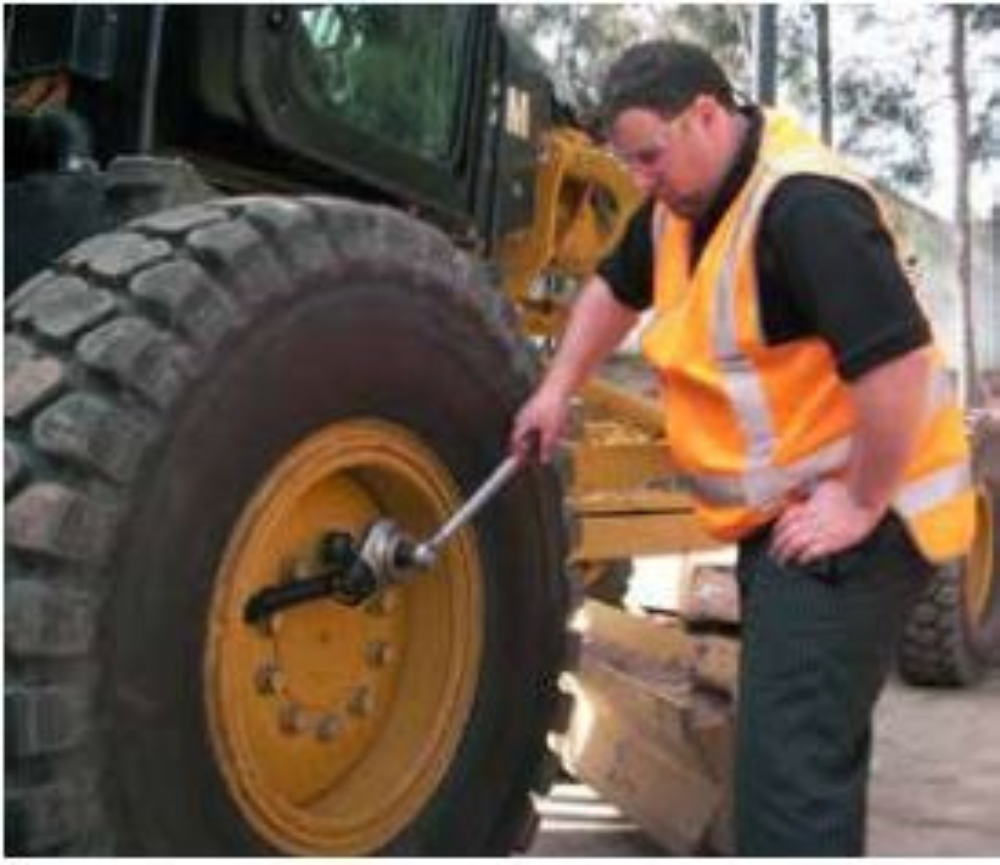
840, 268
628, 270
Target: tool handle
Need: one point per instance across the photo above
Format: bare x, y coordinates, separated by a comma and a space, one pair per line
490, 487
273, 599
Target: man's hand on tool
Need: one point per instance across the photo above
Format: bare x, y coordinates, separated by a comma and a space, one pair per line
597, 324
539, 426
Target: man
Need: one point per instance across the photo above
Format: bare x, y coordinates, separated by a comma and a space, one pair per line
804, 402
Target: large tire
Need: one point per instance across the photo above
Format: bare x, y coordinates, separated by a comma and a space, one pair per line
157, 381
952, 636
56, 210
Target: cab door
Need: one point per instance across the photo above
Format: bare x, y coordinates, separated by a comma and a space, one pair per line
393, 95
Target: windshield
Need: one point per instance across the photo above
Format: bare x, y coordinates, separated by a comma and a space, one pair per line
394, 71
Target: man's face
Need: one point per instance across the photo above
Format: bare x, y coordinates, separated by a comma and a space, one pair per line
669, 158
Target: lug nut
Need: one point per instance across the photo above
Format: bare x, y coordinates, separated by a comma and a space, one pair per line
268, 678
384, 603
291, 719
300, 570
361, 703
270, 626
328, 728
379, 654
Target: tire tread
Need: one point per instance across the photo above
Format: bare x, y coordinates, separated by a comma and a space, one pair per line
102, 351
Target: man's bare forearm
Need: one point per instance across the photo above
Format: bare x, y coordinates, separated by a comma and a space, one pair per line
890, 402
597, 324
596, 327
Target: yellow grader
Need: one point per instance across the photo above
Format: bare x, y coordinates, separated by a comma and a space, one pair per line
277, 275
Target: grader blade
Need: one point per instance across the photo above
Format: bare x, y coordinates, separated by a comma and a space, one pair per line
652, 730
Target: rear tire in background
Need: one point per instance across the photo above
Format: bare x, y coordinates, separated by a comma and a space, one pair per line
191, 403
953, 634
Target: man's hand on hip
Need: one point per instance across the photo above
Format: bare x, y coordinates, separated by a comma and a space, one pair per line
890, 403
827, 522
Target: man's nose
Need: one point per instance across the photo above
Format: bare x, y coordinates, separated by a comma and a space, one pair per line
645, 179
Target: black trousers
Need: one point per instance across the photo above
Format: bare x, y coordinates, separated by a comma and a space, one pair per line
817, 645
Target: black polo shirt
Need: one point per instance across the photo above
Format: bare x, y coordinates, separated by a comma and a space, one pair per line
825, 265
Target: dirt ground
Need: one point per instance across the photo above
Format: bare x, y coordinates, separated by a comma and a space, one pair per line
935, 785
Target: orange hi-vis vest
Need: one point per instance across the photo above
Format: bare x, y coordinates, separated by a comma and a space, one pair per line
752, 426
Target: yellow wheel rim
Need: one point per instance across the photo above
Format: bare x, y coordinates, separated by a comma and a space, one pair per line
333, 725
980, 566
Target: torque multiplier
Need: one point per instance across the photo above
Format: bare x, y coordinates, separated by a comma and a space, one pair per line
351, 573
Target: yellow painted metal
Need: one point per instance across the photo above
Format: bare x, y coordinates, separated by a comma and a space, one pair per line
981, 567
606, 399
626, 492
543, 318
602, 467
583, 198
638, 501
616, 536
334, 725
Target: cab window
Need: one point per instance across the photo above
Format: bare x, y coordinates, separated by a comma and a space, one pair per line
393, 71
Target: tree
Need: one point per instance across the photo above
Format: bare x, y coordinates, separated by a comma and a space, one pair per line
960, 93
796, 53
881, 110
984, 107
822, 13
578, 41
725, 30
766, 54
973, 60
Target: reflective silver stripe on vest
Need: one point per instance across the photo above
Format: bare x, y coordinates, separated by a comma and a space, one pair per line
770, 484
763, 483
740, 379
930, 491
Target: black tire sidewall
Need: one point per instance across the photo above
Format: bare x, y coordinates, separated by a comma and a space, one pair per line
942, 645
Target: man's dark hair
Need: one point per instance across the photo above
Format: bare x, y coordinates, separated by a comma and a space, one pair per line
663, 76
